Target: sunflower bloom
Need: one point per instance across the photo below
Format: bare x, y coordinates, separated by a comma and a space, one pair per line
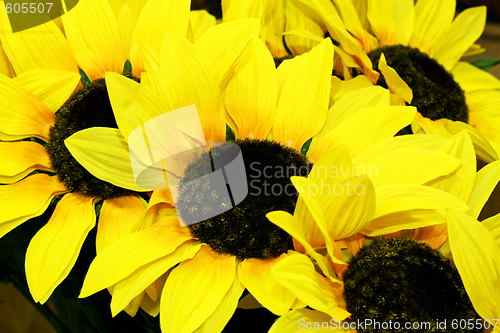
45, 102
420, 45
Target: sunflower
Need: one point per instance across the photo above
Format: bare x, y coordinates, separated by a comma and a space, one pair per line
423, 43
40, 109
326, 294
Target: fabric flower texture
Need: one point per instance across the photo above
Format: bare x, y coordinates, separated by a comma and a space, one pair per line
377, 272
199, 272
40, 109
421, 44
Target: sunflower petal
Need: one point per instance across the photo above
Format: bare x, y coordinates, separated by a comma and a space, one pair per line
23, 115
296, 321
394, 81
218, 320
381, 20
125, 290
386, 120
195, 289
92, 33
41, 47
409, 219
402, 197
297, 274
20, 159
477, 257
52, 87
133, 103
256, 277
156, 16
292, 225
251, 95
431, 20
461, 34
126, 19
403, 16
405, 166
124, 256
493, 225
126, 210
199, 22
105, 154
471, 78
37, 191
486, 180
221, 46
187, 81
54, 249
303, 107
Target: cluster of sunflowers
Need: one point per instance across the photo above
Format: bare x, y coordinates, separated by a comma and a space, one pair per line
365, 104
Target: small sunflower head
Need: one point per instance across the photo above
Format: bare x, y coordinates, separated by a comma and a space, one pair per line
88, 107
435, 93
401, 280
244, 230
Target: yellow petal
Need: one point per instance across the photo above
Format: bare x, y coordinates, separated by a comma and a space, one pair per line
472, 78
23, 115
133, 103
124, 256
199, 22
351, 103
405, 166
409, 219
256, 277
403, 16
195, 289
293, 226
126, 18
93, 35
297, 273
477, 258
460, 182
104, 153
251, 95
380, 16
353, 24
52, 87
460, 35
233, 10
394, 81
431, 20
486, 180
402, 197
296, 321
304, 95
296, 19
218, 320
54, 249
156, 16
125, 290
312, 197
493, 225
117, 218
41, 47
5, 64
386, 120
187, 81
20, 159
36, 192
221, 46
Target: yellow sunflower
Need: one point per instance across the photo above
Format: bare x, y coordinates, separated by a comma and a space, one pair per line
326, 294
40, 109
423, 44
197, 274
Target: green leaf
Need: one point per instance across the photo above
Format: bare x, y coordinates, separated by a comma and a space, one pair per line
486, 63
